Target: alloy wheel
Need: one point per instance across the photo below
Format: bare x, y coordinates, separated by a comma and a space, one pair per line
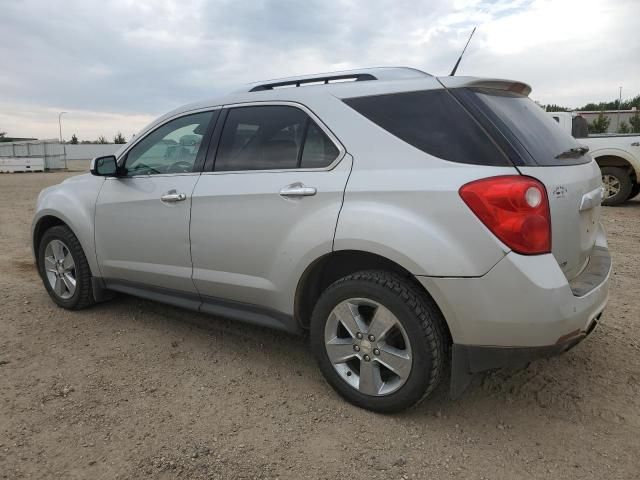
368, 346
60, 269
611, 185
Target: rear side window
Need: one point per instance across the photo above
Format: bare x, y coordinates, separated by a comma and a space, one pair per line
272, 137
318, 151
535, 130
261, 138
434, 122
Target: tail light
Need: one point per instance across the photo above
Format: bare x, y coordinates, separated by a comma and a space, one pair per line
516, 210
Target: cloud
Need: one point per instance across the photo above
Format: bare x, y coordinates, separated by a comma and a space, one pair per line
115, 64
571, 52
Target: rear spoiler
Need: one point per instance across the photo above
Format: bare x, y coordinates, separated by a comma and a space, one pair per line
495, 84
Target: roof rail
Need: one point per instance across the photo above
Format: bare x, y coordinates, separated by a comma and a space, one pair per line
365, 74
357, 77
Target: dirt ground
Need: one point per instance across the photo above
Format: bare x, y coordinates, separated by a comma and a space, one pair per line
133, 389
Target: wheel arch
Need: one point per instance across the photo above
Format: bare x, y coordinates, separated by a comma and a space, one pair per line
609, 159
51, 219
337, 264
43, 224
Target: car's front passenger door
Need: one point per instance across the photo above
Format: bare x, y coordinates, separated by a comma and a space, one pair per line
142, 215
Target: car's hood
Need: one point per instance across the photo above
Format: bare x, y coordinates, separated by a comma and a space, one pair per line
78, 178
85, 179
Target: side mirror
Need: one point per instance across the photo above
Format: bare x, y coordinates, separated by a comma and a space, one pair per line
104, 166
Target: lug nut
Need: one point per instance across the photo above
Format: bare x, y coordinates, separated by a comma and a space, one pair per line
367, 358
372, 338
376, 351
356, 348
359, 335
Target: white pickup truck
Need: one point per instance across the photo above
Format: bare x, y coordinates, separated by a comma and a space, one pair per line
617, 155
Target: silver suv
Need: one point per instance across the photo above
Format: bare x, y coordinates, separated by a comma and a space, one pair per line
413, 225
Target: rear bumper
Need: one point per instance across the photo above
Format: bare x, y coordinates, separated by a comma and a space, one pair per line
522, 309
469, 359
477, 359
523, 301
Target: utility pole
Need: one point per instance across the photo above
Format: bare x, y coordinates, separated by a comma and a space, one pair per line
60, 124
64, 150
619, 104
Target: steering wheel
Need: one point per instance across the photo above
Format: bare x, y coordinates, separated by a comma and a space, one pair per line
180, 167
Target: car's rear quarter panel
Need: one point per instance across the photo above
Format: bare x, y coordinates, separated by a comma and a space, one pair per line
416, 218
403, 204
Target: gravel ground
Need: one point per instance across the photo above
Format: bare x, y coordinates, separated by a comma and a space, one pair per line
133, 389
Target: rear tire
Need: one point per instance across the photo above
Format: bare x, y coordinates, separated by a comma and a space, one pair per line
379, 340
617, 184
635, 190
64, 269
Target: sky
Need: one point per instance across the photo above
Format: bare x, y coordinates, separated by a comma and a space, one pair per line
115, 65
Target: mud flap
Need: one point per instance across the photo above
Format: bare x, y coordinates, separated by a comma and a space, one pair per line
100, 292
467, 360
460, 375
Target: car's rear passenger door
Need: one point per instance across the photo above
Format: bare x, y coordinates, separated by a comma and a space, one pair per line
267, 206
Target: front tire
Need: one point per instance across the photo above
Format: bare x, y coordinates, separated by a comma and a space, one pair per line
379, 340
64, 269
635, 190
617, 185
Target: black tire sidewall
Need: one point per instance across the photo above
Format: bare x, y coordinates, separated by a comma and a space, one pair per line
67, 237
625, 185
419, 379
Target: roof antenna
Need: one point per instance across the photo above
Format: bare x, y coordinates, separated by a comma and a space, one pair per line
455, 68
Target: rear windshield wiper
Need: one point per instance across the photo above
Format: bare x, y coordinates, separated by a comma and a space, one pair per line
573, 152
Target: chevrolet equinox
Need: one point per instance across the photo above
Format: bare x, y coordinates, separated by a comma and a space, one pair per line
416, 226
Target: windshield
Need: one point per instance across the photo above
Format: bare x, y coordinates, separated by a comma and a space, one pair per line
537, 132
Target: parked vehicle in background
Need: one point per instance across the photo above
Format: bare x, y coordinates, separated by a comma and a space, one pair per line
618, 157
410, 223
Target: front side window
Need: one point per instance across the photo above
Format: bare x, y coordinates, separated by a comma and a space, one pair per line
172, 148
272, 137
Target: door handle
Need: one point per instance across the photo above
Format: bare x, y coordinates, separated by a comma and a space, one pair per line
173, 197
297, 190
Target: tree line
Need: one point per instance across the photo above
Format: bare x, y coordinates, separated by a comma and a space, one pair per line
591, 107
118, 138
602, 122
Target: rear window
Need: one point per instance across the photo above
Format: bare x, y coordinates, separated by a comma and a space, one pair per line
520, 119
434, 122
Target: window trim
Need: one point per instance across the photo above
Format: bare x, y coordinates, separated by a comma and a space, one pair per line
200, 158
504, 140
209, 164
303, 140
